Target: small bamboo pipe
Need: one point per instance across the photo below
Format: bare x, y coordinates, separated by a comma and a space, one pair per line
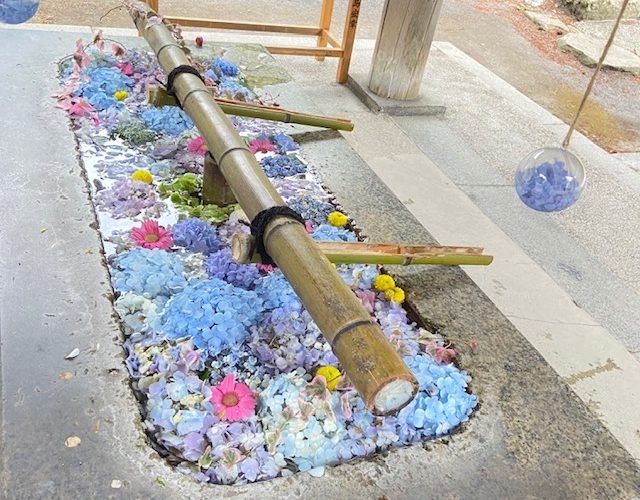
374, 367
243, 251
159, 97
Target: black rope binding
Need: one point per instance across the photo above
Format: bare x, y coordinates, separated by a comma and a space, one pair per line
259, 223
183, 68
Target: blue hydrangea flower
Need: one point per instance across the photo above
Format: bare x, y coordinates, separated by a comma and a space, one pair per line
225, 67
311, 208
285, 143
102, 84
282, 165
153, 274
221, 265
441, 403
232, 88
213, 313
196, 235
276, 293
326, 232
169, 119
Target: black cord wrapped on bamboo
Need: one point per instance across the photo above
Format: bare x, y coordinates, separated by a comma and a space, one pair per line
372, 364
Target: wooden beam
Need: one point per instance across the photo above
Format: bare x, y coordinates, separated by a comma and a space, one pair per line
246, 26
305, 51
333, 41
348, 39
325, 24
215, 189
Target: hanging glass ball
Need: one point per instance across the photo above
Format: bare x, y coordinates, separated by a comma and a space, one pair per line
550, 179
17, 11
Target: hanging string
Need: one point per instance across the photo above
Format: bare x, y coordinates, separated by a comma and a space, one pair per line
567, 138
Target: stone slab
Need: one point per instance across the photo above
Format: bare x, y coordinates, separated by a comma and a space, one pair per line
588, 49
546, 22
601, 9
426, 104
627, 36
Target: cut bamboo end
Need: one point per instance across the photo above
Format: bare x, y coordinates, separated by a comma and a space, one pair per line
393, 396
385, 385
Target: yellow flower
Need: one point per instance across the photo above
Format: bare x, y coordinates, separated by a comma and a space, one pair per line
395, 294
337, 219
121, 95
331, 374
383, 282
142, 176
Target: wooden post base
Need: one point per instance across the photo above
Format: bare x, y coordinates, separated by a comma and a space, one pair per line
215, 190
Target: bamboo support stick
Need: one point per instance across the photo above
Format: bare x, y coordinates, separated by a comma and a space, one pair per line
243, 251
158, 96
373, 365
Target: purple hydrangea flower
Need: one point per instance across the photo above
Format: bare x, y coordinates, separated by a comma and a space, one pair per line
222, 266
128, 198
196, 235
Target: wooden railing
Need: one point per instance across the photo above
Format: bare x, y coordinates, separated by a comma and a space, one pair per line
327, 44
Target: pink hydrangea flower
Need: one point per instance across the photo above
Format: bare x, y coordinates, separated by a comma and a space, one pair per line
151, 236
368, 299
125, 68
308, 227
80, 57
233, 401
118, 51
261, 146
267, 268
197, 146
444, 355
80, 108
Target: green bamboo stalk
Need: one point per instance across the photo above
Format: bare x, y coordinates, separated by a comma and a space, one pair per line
406, 260
159, 97
373, 365
243, 251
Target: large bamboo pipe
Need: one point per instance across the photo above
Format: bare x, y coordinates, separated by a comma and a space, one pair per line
374, 367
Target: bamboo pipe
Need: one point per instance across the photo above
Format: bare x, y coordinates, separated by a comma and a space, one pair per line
374, 367
339, 252
159, 97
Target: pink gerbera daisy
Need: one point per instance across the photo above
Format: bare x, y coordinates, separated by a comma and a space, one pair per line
197, 146
233, 401
151, 235
261, 146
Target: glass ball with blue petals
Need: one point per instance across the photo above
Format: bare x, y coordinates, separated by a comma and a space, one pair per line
17, 11
550, 179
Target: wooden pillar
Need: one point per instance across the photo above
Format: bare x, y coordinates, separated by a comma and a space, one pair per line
402, 48
215, 189
348, 37
325, 24
154, 4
